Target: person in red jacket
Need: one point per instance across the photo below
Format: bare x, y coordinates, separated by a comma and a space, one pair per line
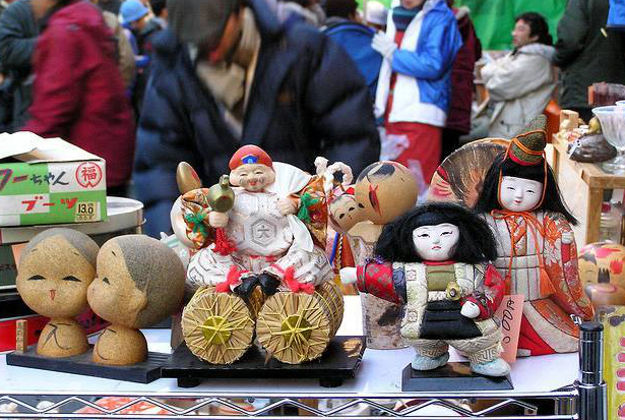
78, 92
462, 86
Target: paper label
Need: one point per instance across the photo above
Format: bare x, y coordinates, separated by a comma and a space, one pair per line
87, 212
510, 313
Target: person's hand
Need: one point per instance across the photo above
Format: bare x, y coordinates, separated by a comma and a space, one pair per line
470, 310
218, 220
568, 238
384, 45
348, 275
287, 206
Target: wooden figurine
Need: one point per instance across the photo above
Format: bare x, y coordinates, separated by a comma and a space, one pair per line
434, 261
55, 270
383, 191
535, 245
260, 264
602, 272
140, 281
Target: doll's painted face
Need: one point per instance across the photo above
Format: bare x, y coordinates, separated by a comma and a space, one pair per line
113, 295
53, 278
520, 194
252, 177
345, 212
436, 242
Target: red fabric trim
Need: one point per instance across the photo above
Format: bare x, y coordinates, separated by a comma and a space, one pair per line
448, 262
232, 278
530, 340
520, 162
294, 285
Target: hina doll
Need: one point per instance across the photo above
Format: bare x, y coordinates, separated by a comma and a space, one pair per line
434, 260
536, 248
272, 246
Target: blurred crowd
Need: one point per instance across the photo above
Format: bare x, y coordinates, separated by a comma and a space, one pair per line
149, 83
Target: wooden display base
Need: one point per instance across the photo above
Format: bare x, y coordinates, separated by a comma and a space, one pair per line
454, 376
82, 364
340, 361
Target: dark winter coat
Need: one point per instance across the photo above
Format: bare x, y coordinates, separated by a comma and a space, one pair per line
18, 35
459, 116
585, 54
307, 99
78, 90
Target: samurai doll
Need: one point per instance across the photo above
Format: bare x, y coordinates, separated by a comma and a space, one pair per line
434, 260
536, 249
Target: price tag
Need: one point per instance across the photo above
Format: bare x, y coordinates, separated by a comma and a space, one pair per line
509, 314
86, 212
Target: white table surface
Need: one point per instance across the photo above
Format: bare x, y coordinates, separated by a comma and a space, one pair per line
379, 374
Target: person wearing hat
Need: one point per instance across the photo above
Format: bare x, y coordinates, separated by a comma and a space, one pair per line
536, 248
138, 19
227, 73
273, 248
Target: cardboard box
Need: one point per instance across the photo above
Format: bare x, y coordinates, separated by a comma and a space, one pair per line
49, 181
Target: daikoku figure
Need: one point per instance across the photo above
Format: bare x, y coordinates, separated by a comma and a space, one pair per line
273, 247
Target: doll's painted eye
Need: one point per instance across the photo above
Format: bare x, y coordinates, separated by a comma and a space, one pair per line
71, 278
531, 191
362, 206
445, 233
341, 215
37, 277
105, 280
243, 175
510, 188
351, 209
259, 172
424, 235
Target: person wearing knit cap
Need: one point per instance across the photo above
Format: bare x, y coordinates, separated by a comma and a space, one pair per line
414, 87
273, 248
226, 73
536, 251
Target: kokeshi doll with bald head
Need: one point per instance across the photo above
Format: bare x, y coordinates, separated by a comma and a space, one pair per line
55, 270
140, 281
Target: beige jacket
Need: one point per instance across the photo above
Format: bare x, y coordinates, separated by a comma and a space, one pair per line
519, 87
126, 58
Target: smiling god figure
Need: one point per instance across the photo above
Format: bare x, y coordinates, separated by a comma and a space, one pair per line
274, 249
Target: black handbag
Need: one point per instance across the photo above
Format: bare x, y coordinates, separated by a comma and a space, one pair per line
442, 320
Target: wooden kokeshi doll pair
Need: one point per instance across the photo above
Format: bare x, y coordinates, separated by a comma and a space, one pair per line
133, 282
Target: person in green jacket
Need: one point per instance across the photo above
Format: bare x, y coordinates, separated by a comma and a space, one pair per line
587, 53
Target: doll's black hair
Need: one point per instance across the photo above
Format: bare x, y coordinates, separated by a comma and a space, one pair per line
552, 201
475, 245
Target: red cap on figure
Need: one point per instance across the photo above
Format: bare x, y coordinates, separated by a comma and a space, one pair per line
250, 154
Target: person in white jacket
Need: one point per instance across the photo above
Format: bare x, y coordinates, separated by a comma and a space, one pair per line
521, 83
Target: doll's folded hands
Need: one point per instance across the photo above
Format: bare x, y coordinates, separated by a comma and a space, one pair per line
348, 275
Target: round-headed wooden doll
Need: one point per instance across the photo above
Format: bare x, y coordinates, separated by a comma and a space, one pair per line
535, 245
55, 270
140, 282
434, 260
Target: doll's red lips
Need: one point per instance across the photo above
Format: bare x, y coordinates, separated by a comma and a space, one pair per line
436, 247
52, 293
